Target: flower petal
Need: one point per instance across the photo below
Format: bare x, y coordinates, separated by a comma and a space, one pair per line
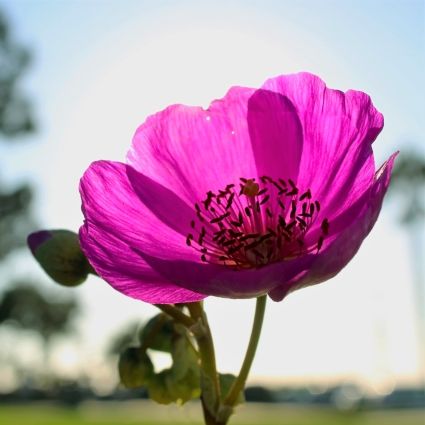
110, 202
127, 272
190, 150
163, 203
276, 135
336, 255
338, 130
116, 221
222, 281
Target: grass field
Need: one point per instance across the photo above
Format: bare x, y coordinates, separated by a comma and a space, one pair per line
145, 413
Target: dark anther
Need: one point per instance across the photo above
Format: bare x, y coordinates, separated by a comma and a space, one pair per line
229, 242
325, 226
282, 235
304, 212
293, 209
252, 244
294, 189
265, 237
319, 243
234, 234
290, 225
265, 199
232, 250
301, 221
202, 236
279, 187
305, 195
219, 234
220, 218
230, 201
249, 236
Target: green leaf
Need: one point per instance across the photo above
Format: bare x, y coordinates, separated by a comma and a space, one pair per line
135, 368
59, 254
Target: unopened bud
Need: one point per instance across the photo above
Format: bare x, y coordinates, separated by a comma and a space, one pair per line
59, 254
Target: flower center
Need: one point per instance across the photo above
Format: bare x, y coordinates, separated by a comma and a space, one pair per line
256, 225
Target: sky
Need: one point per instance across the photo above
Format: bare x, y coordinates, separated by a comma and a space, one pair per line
101, 67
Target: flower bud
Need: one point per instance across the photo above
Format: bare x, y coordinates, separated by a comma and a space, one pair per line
59, 254
135, 368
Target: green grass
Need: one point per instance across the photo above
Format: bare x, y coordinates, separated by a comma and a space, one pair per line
145, 413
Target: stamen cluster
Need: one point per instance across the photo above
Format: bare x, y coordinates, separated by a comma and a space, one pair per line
253, 226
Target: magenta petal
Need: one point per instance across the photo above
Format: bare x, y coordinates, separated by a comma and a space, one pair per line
163, 203
190, 150
111, 203
337, 254
127, 272
338, 129
221, 281
276, 135
117, 221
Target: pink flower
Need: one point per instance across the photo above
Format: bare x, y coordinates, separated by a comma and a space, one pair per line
266, 191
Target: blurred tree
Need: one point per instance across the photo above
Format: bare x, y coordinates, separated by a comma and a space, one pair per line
15, 110
409, 182
409, 185
16, 119
24, 307
15, 218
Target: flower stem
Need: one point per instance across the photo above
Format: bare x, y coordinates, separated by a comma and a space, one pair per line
176, 314
207, 354
239, 383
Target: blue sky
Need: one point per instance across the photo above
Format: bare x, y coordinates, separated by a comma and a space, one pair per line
100, 67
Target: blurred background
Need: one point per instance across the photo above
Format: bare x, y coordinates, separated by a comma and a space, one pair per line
76, 79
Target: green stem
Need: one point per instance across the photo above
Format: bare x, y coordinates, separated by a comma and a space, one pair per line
176, 314
206, 352
239, 383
